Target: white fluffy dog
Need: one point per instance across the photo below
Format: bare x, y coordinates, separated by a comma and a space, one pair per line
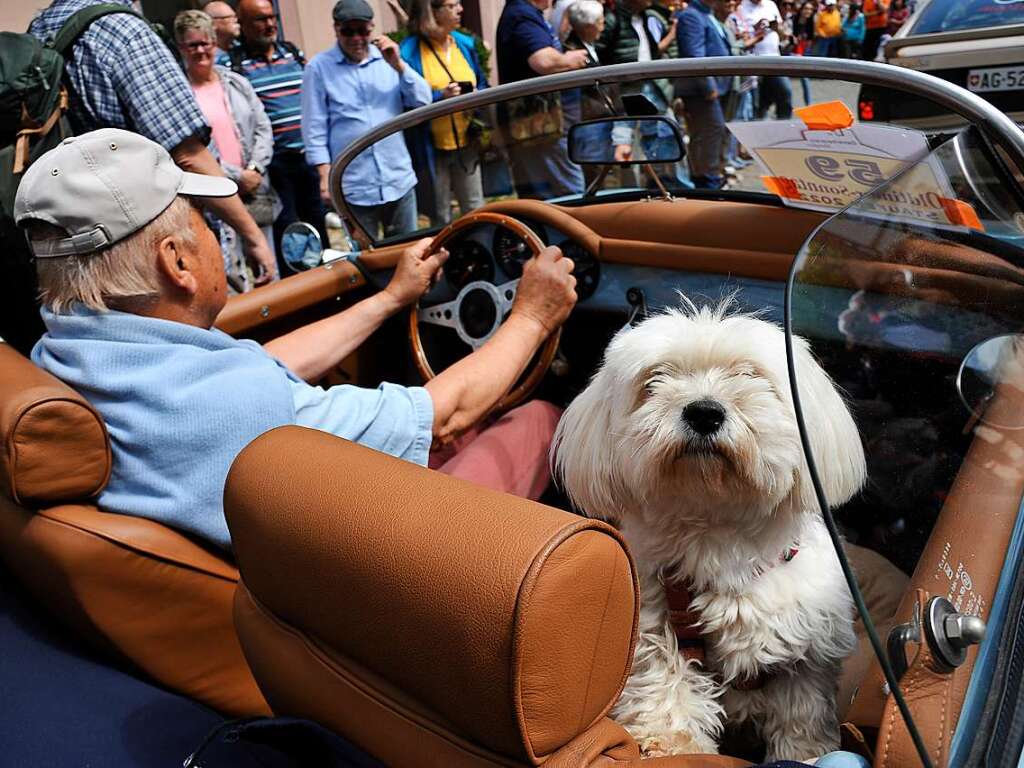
686, 439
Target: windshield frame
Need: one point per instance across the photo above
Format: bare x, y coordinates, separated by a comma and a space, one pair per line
993, 124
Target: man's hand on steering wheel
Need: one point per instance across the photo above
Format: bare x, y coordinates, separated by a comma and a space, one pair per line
416, 272
546, 292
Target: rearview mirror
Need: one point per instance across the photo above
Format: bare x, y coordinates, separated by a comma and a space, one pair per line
301, 246
650, 140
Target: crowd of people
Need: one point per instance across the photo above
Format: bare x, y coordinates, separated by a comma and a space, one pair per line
248, 100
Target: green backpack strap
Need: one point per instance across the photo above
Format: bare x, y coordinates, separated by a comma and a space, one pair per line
79, 21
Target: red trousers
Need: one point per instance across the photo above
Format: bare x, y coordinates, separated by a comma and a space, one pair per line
510, 454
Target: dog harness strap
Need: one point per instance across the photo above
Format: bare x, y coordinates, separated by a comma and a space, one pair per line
684, 622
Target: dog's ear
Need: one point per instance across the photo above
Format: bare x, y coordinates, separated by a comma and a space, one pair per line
835, 441
582, 455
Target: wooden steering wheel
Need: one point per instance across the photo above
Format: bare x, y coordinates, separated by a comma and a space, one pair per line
479, 309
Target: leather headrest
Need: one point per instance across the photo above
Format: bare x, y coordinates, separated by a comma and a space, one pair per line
55, 446
507, 622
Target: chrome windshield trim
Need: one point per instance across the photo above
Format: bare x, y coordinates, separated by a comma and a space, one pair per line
992, 122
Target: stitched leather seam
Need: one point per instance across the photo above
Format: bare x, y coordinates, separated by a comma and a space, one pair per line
526, 588
593, 650
942, 720
138, 550
334, 666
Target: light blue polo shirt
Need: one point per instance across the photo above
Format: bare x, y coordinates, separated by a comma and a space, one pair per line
181, 402
341, 101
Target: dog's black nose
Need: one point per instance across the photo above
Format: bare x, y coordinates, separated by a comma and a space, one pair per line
704, 416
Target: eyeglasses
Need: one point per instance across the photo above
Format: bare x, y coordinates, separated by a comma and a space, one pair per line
355, 31
197, 45
264, 19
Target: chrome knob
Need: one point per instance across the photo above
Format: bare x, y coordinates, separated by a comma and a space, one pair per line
949, 633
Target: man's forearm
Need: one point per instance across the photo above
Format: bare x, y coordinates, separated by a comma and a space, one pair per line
313, 350
192, 156
465, 392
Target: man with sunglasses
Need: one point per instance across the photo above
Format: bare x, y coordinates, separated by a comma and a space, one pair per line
274, 69
348, 90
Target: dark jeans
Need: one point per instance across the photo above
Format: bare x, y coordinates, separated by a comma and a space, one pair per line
706, 125
775, 90
871, 39
298, 186
395, 218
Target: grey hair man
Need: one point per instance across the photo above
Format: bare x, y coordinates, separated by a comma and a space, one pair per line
225, 24
132, 281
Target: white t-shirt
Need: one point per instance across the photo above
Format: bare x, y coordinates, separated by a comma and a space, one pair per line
749, 14
644, 52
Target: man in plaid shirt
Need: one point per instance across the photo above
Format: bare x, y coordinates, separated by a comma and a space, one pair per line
123, 76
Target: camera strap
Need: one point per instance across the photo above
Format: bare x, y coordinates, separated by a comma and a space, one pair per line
451, 117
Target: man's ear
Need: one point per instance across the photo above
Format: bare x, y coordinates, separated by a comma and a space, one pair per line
177, 264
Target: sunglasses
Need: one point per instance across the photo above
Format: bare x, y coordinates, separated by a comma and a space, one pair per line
355, 31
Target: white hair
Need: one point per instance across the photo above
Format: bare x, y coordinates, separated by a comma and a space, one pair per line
125, 270
585, 12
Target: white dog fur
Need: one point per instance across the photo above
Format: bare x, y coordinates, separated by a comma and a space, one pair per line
716, 512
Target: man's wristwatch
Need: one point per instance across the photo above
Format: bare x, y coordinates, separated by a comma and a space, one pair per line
254, 167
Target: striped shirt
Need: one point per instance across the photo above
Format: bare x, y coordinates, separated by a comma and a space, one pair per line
278, 83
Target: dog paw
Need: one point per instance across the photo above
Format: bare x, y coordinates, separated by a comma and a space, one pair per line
676, 744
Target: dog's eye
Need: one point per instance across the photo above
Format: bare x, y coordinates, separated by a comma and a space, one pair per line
747, 371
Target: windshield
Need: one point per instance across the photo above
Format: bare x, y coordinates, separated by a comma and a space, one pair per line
918, 319
631, 140
950, 15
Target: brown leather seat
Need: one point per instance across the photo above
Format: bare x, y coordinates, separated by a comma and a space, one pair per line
430, 621
129, 586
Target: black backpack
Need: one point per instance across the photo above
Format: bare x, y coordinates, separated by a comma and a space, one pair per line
33, 120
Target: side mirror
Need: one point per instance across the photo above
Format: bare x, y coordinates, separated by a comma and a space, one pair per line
301, 246
658, 140
993, 366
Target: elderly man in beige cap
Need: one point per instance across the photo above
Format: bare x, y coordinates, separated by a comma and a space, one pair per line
132, 280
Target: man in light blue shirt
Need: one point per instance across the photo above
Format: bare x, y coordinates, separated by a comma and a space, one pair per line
348, 90
132, 280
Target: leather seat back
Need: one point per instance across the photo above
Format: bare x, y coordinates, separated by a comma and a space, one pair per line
131, 587
428, 620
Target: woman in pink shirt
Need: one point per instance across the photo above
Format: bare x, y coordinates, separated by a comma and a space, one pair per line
241, 136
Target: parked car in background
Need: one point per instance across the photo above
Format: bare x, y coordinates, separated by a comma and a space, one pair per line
976, 44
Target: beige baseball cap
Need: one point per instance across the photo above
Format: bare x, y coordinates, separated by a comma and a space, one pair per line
101, 187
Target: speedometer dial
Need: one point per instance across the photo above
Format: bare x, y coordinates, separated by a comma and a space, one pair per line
511, 252
468, 261
587, 269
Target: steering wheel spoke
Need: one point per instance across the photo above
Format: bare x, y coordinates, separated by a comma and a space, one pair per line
507, 291
444, 315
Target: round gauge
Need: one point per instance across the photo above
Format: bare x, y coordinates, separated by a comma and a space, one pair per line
587, 269
511, 251
468, 261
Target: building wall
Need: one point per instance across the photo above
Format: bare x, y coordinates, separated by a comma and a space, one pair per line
16, 14
307, 23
